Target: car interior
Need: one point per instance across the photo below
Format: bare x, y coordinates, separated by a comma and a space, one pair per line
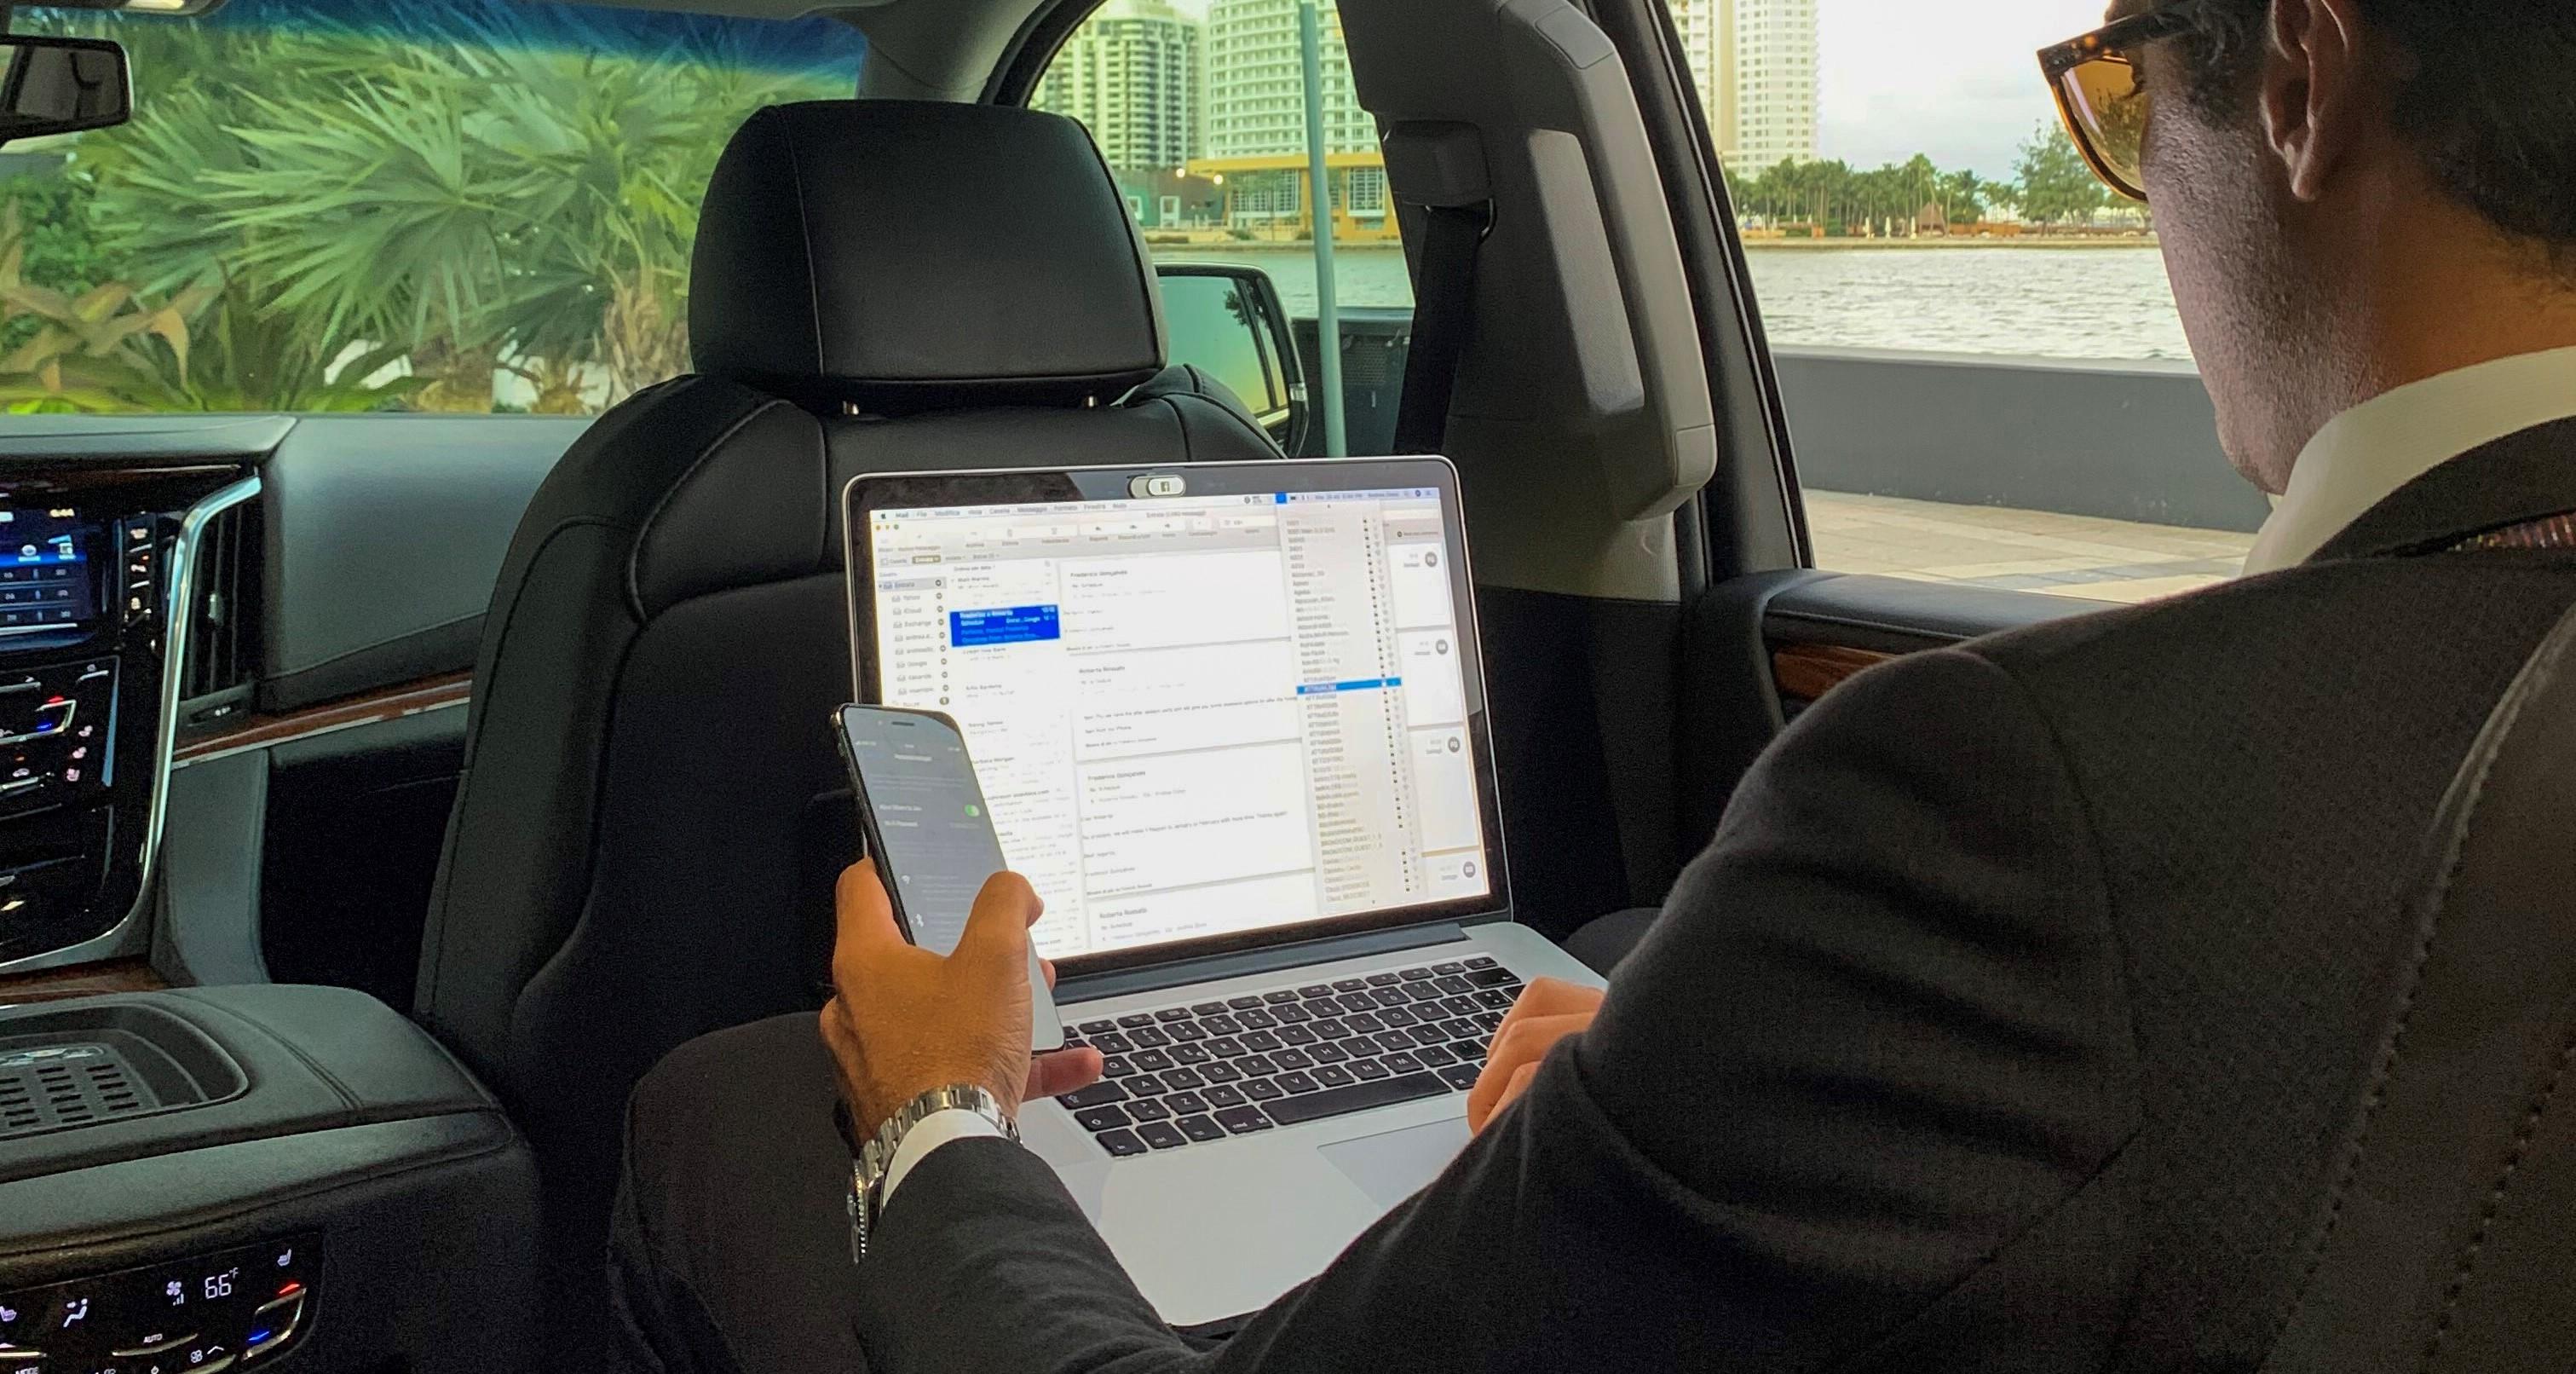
421, 780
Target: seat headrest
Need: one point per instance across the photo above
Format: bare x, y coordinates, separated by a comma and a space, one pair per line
915, 255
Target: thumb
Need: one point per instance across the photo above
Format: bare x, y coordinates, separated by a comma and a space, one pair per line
997, 929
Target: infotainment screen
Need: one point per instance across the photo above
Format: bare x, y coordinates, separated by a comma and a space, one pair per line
44, 569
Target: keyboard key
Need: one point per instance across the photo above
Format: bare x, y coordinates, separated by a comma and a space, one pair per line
1292, 1059
1153, 1061
1422, 1035
1120, 1143
1334, 1076
1328, 1054
1097, 1027
1358, 1097
1134, 1019
1187, 1031
1469, 1052
1331, 1028
1093, 1096
1190, 1054
1460, 1005
1396, 1063
1453, 984
1397, 1018
1392, 1042
1499, 1001
1112, 1043
1452, 967
1260, 1042
1227, 1047
1239, 1003
1256, 1066
1275, 998
1162, 1135
1357, 1002
1422, 992
1102, 1118
1297, 1035
1200, 1128
1186, 1104
1221, 1024
1367, 1069
1258, 1020
1222, 1071
1364, 1023
1435, 1056
1150, 1038
1459, 1076
1491, 977
1074, 1042
1169, 1014
1223, 1096
1182, 1080
1146, 1085
1349, 984
1207, 1008
1243, 1120
1314, 990
1390, 997
1480, 961
1289, 1016
1459, 1029
1115, 1067
1383, 980
1150, 1109
1414, 975
1262, 1090
1297, 1083
1490, 1020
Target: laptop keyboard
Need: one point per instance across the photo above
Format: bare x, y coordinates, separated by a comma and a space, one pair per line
1192, 1074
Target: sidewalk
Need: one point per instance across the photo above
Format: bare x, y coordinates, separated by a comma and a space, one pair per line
2018, 550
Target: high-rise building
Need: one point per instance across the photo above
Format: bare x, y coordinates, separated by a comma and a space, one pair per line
1707, 30
1775, 82
1131, 74
1256, 121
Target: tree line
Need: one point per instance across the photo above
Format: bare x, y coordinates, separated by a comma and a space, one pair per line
2050, 185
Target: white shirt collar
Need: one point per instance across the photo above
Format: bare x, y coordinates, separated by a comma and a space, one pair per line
2365, 454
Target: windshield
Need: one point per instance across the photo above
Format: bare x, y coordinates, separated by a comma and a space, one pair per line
470, 206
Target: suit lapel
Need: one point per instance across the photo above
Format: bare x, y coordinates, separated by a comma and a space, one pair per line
2518, 479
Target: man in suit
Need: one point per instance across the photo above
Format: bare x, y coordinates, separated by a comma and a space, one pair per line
2009, 1018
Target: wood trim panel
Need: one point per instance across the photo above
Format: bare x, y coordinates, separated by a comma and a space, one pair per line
393, 703
81, 981
1805, 672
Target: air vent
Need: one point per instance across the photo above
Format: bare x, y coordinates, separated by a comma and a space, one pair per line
223, 615
57, 1086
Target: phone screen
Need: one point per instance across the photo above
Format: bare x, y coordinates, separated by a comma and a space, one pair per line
930, 831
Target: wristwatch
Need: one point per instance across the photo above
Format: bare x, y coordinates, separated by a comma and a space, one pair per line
871, 1161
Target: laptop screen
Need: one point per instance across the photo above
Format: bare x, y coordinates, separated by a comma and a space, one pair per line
1198, 717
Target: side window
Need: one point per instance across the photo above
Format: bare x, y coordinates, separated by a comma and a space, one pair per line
1986, 378
1199, 106
440, 205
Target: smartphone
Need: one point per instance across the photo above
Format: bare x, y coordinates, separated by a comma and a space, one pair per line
925, 820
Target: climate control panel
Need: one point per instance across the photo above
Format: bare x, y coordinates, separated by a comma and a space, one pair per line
237, 1309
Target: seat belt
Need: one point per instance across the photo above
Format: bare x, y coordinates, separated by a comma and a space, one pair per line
1444, 306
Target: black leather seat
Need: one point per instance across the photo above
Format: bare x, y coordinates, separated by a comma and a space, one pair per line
653, 809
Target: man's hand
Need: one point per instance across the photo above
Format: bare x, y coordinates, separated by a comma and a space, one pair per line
906, 1021
1548, 1011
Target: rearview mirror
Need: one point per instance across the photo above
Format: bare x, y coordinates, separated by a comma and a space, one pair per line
61, 85
1229, 323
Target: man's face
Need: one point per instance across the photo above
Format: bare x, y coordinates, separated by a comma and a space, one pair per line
2248, 304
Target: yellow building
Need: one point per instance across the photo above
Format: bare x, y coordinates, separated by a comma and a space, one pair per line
1267, 195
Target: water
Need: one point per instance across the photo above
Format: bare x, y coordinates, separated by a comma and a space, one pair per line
2036, 302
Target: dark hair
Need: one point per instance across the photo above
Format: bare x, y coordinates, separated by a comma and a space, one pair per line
2490, 103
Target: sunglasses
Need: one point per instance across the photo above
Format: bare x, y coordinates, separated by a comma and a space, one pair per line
2103, 99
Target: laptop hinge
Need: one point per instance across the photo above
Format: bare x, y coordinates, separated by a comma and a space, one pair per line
1211, 968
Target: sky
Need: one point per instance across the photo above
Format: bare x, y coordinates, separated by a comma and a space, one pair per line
1957, 80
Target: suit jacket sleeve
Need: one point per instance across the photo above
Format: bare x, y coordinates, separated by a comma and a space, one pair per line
1877, 1035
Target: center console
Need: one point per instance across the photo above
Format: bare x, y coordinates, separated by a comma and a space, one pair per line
95, 615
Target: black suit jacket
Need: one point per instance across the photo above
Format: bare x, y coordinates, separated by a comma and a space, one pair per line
2007, 1023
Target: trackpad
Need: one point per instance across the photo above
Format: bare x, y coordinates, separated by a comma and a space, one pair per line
1394, 1166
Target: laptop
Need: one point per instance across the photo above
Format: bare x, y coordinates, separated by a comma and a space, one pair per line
1231, 723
